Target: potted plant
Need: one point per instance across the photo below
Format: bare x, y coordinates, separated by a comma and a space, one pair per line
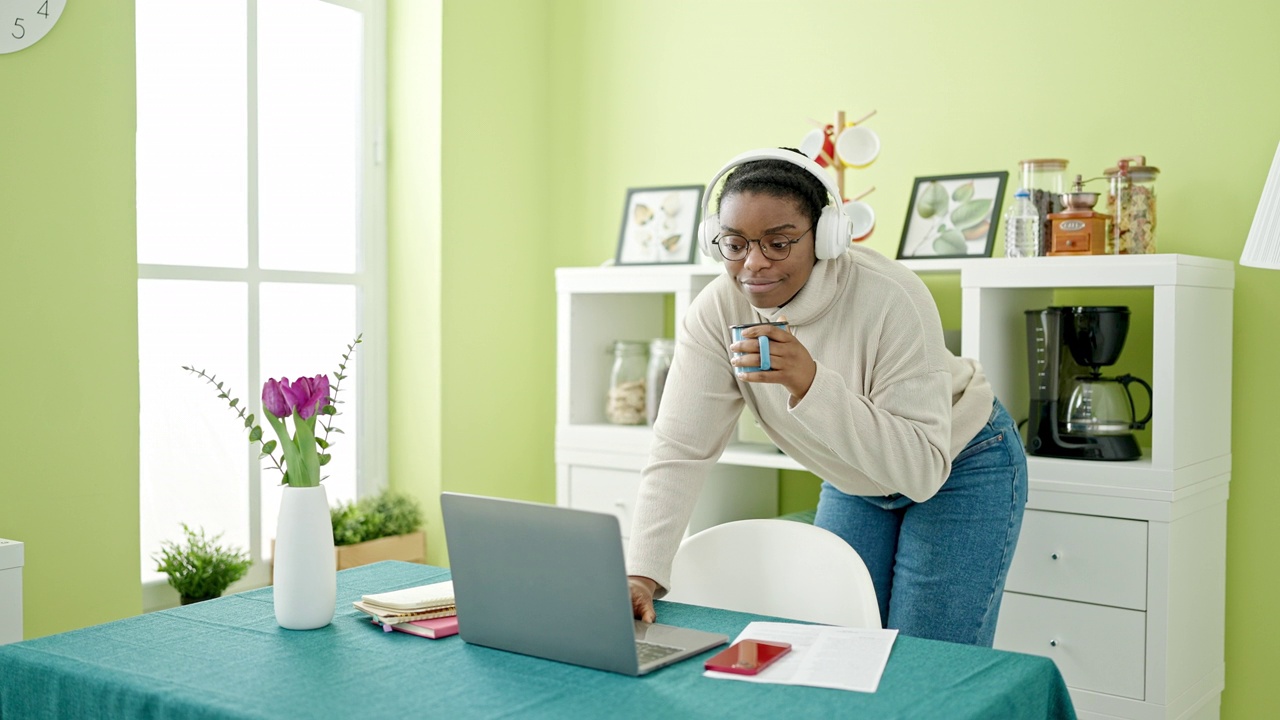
201, 568
386, 526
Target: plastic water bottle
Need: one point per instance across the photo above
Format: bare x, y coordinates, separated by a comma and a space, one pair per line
1022, 227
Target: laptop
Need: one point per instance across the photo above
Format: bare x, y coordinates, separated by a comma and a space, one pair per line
550, 582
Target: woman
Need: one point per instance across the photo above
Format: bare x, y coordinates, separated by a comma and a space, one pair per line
923, 470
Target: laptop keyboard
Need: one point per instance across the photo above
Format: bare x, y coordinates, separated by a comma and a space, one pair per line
648, 652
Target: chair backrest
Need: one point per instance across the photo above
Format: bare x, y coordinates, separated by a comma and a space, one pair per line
776, 567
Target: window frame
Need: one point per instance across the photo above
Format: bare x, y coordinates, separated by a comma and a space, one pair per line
369, 279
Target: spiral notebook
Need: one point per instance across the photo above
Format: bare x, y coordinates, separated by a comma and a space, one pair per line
395, 617
420, 598
423, 602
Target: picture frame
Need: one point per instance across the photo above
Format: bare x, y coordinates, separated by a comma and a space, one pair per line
953, 216
659, 225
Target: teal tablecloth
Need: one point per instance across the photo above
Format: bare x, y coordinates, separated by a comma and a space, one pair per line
227, 658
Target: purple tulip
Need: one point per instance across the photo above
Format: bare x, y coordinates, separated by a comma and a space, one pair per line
308, 395
274, 399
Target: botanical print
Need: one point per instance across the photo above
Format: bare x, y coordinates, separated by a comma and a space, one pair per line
953, 216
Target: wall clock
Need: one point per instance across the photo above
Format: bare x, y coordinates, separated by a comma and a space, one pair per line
23, 22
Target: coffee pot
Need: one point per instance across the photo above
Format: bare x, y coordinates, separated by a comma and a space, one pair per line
1104, 406
1075, 411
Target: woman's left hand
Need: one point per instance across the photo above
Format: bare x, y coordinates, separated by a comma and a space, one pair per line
789, 360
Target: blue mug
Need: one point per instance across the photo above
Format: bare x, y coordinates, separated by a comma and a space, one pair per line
764, 345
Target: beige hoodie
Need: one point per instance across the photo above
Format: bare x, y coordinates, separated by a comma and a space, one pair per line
889, 407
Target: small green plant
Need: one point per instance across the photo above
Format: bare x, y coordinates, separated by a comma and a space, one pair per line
200, 569
373, 517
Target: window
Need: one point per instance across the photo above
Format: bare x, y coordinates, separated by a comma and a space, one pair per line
261, 250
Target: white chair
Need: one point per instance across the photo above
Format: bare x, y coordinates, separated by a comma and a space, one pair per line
782, 568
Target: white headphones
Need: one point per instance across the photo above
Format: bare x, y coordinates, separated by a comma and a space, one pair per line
834, 231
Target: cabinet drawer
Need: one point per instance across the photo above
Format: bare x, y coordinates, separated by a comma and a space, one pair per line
1081, 557
1096, 648
605, 490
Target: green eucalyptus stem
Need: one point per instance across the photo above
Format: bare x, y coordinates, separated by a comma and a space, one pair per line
330, 410
255, 430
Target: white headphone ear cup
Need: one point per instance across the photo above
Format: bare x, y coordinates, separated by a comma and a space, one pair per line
708, 229
832, 234
844, 236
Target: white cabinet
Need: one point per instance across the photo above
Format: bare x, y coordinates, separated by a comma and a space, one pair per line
10, 591
1119, 574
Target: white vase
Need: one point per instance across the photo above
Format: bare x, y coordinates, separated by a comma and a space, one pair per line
306, 573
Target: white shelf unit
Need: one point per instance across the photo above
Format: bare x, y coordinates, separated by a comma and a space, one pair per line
1119, 576
598, 464
11, 561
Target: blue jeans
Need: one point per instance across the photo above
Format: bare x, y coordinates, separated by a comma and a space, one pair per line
939, 566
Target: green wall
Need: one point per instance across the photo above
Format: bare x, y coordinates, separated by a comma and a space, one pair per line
68, 319
472, 252
497, 254
414, 268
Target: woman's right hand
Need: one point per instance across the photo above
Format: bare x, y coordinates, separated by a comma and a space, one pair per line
642, 589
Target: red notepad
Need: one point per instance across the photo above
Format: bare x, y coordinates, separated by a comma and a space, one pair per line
434, 628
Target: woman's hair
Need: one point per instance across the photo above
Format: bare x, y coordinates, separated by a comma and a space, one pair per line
780, 179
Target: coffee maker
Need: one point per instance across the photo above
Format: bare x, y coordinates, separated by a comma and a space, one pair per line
1076, 412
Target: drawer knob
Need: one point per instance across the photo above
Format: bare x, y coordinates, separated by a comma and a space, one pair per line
1054, 556
1053, 643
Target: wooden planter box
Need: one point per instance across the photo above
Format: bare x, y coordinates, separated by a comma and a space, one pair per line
410, 548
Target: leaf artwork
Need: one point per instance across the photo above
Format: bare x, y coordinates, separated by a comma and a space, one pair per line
933, 201
970, 213
950, 242
958, 217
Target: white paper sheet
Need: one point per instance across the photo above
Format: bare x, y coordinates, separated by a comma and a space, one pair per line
821, 656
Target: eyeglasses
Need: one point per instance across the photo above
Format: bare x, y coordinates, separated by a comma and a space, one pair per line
774, 246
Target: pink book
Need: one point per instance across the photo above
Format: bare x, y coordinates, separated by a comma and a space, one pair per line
434, 628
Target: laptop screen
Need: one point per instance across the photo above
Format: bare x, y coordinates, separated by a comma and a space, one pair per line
540, 580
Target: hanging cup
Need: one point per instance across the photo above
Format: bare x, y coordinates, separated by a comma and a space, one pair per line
858, 146
819, 146
862, 219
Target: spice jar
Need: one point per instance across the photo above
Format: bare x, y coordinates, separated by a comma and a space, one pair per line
1044, 179
661, 351
626, 383
1131, 201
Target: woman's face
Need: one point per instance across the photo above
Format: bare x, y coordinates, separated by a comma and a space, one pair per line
768, 283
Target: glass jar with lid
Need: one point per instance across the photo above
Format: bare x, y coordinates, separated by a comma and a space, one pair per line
1131, 202
1044, 179
625, 405
661, 350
